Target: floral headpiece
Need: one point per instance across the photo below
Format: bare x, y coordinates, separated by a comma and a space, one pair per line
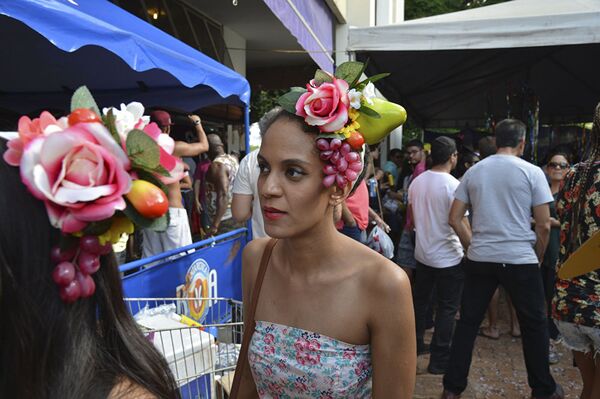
347, 114
98, 175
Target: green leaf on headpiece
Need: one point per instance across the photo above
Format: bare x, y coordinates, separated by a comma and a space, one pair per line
369, 112
142, 150
331, 136
374, 79
288, 100
364, 67
109, 121
82, 98
349, 71
157, 224
322, 77
97, 228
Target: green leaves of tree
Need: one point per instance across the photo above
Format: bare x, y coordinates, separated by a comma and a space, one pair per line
288, 100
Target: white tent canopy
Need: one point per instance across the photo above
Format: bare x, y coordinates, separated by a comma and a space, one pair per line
457, 68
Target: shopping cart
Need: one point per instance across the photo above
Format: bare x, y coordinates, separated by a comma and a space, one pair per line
202, 356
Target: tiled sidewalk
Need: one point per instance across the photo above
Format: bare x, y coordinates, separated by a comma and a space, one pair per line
498, 370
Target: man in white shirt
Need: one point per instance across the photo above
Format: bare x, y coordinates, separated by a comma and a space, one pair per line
503, 191
438, 251
245, 202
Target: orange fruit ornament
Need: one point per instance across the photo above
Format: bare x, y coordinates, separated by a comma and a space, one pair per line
147, 199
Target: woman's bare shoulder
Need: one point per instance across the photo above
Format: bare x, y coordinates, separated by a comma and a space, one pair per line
251, 256
381, 274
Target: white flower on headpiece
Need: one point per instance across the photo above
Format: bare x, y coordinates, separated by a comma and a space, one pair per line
129, 117
369, 93
354, 96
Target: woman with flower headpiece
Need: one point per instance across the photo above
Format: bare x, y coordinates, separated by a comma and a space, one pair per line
70, 188
576, 302
325, 316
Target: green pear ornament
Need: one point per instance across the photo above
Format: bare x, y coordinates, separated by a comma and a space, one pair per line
375, 129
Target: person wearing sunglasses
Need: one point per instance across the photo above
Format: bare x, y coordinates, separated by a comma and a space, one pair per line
556, 170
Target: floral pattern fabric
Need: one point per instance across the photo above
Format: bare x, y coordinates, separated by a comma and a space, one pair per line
289, 362
578, 300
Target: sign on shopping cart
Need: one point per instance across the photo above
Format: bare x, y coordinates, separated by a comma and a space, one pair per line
209, 272
200, 282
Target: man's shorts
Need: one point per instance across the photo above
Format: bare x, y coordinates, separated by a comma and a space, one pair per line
405, 256
177, 234
579, 338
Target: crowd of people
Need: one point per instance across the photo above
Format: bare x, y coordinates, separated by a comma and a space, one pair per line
199, 204
465, 224
325, 316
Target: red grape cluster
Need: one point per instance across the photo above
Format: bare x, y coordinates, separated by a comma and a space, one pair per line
344, 163
75, 265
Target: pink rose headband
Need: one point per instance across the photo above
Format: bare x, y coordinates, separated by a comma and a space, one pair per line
347, 114
98, 175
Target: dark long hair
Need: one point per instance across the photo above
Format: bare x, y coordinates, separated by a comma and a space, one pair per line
49, 349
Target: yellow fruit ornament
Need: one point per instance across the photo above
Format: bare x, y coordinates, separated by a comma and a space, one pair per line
375, 129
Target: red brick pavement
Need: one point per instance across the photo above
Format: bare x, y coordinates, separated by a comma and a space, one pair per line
498, 370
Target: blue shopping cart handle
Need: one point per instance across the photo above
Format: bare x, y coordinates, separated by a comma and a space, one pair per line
209, 241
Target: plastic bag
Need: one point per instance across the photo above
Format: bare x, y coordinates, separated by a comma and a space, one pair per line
379, 241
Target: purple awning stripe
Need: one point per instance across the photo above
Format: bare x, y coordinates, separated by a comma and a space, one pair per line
320, 21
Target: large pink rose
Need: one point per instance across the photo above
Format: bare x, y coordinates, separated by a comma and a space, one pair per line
80, 173
325, 105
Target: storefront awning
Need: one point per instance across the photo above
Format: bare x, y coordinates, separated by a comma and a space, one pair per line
312, 23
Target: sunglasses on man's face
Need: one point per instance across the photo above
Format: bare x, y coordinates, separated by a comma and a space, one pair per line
558, 165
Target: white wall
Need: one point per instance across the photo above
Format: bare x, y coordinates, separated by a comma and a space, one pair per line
238, 57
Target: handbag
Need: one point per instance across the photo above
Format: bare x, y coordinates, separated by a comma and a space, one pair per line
249, 322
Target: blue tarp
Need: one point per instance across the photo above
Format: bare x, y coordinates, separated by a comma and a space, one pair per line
117, 55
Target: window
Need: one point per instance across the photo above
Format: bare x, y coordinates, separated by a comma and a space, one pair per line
183, 22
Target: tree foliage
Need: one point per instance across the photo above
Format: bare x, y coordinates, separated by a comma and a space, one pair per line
262, 101
414, 9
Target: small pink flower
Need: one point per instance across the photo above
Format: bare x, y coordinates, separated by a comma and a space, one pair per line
80, 173
300, 386
269, 339
268, 371
325, 106
28, 131
269, 350
166, 147
349, 354
361, 367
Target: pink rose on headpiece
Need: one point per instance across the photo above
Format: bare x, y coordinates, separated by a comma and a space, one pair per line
29, 130
325, 106
80, 173
166, 146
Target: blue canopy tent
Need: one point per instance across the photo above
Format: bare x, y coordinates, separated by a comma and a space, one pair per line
51, 47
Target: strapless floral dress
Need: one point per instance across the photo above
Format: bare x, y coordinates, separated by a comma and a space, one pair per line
289, 362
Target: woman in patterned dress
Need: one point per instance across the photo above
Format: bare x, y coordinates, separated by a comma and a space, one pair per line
334, 319
576, 302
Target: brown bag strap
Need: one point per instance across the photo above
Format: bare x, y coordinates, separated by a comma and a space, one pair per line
250, 322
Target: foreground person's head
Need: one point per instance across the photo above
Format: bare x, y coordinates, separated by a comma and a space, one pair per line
53, 349
68, 186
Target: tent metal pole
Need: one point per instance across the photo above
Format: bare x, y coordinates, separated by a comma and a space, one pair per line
247, 141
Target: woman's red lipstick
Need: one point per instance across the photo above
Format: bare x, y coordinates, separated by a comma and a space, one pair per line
272, 213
